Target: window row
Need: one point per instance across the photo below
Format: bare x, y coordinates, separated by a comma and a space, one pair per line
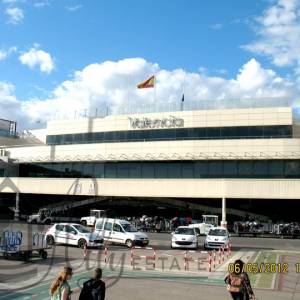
170, 169
282, 131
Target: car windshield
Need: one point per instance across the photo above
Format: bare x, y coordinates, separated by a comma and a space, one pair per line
82, 229
217, 232
187, 231
128, 228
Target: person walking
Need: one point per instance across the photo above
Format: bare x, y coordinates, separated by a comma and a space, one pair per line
93, 289
60, 288
238, 283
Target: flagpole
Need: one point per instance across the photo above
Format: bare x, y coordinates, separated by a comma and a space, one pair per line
154, 91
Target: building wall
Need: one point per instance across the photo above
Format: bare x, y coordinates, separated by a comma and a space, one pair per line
181, 188
198, 118
166, 150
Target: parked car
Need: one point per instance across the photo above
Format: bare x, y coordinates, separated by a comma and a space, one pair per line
185, 237
216, 238
91, 219
203, 227
43, 216
121, 232
73, 234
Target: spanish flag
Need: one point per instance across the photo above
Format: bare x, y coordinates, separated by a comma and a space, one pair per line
149, 83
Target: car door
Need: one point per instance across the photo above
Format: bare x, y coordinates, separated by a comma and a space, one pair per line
117, 234
71, 235
107, 230
59, 234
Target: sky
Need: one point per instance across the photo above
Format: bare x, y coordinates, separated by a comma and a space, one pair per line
69, 58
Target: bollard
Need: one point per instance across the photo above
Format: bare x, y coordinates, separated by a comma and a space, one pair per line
131, 256
209, 261
229, 249
105, 254
185, 260
154, 258
214, 258
222, 249
84, 251
219, 256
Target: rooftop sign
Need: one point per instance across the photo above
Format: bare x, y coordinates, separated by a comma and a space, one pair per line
170, 122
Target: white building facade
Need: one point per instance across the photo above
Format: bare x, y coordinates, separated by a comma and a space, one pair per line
217, 153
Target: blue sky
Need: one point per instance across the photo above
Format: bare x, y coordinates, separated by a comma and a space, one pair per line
227, 40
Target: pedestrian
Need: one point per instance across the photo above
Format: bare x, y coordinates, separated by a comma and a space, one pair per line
60, 289
93, 289
238, 283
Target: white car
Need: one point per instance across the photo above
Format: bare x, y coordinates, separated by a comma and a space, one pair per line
118, 231
73, 234
204, 228
185, 237
216, 238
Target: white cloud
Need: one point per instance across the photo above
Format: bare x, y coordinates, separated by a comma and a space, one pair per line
15, 14
36, 57
73, 8
4, 53
113, 84
216, 26
279, 33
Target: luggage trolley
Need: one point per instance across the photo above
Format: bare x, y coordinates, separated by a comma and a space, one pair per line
11, 246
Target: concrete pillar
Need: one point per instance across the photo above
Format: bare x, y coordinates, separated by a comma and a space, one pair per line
17, 209
224, 222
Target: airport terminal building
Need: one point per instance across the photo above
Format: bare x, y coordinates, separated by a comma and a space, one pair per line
249, 156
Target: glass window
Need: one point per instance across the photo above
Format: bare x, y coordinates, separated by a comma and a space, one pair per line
77, 169
260, 168
110, 170
70, 229
230, 169
201, 169
67, 169
181, 133
148, 170
256, 131
245, 168
88, 170
99, 225
123, 170
215, 169
108, 226
213, 132
59, 227
68, 138
292, 168
161, 170
276, 168
134, 170
99, 170
117, 228
187, 170
175, 169
242, 131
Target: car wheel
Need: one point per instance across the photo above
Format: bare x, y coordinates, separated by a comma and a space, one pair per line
129, 243
205, 248
81, 243
83, 223
48, 222
50, 240
43, 254
33, 222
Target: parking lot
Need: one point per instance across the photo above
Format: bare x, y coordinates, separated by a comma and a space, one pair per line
131, 271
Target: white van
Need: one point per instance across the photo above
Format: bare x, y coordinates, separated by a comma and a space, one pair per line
120, 232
